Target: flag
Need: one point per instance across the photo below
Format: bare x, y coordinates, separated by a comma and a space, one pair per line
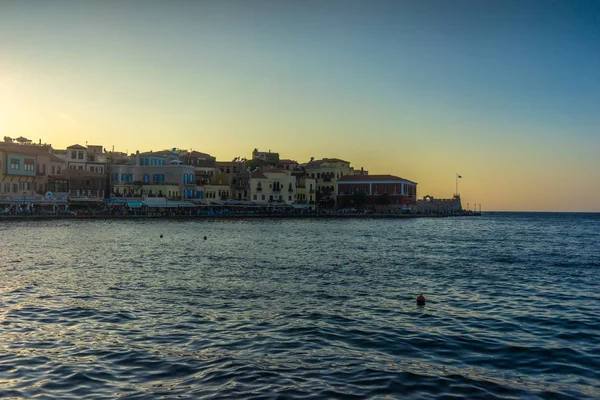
460, 176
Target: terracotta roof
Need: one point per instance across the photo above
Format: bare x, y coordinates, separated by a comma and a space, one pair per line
362, 178
258, 175
287, 161
77, 146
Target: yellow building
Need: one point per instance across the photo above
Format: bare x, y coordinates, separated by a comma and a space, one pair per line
326, 172
305, 190
218, 188
272, 186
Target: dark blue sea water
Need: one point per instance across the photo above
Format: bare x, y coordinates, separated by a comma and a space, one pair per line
301, 308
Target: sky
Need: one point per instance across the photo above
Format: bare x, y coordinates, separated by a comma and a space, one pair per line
504, 93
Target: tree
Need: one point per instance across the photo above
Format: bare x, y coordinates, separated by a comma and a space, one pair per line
253, 164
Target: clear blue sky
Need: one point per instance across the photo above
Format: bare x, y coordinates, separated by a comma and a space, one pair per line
506, 93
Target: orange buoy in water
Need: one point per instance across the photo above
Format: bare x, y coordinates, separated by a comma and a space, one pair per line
421, 300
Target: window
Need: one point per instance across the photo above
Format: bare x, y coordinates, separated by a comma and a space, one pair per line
73, 154
15, 164
28, 185
290, 198
81, 167
15, 188
52, 169
29, 164
80, 155
146, 178
253, 197
58, 170
263, 197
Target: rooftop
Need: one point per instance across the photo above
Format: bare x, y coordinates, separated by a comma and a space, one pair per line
76, 147
258, 175
371, 178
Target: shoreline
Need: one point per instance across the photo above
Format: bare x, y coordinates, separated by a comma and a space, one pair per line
223, 217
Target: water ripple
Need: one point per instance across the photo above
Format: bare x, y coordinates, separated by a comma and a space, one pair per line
302, 309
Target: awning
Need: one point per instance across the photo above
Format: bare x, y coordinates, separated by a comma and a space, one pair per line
134, 204
162, 203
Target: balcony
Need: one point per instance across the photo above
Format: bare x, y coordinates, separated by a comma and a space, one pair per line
276, 190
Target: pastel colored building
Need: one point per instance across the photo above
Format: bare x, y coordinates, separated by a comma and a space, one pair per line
272, 186
326, 172
306, 190
24, 168
79, 183
82, 158
156, 174
401, 192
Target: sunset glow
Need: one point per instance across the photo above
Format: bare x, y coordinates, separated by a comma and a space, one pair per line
504, 93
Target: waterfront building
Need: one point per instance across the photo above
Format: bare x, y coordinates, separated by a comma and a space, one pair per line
219, 186
388, 190
24, 167
272, 185
203, 163
156, 174
82, 158
431, 205
78, 183
326, 172
305, 190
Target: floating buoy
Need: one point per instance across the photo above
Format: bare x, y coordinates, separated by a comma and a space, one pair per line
204, 237
421, 300
161, 235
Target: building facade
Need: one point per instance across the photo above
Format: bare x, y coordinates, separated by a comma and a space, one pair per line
24, 168
156, 174
81, 158
326, 173
431, 205
272, 186
397, 192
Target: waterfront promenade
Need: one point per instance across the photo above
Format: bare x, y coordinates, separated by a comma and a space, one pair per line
228, 217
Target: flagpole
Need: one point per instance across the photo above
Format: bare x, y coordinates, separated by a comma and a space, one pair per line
456, 185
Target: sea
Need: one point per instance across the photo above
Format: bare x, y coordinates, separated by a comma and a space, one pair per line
301, 308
